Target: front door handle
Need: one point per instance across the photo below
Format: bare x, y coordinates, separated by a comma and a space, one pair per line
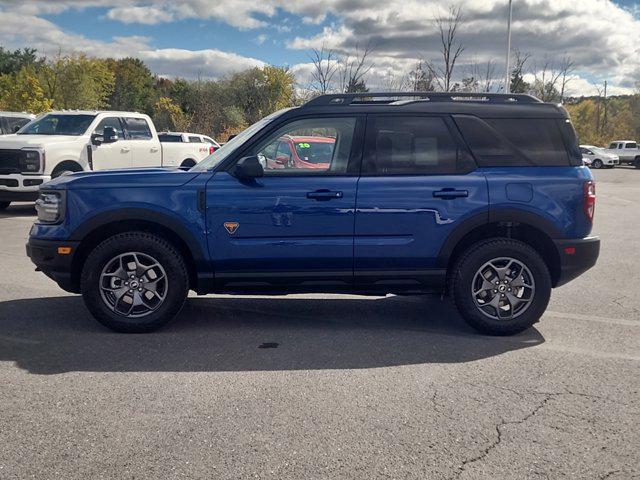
323, 195
450, 193
125, 150
154, 149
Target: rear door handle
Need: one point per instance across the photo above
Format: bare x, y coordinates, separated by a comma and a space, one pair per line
323, 195
125, 150
450, 193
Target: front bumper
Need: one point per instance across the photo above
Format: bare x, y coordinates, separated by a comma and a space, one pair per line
46, 257
576, 257
21, 188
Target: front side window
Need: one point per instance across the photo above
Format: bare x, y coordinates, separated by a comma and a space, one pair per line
138, 129
308, 146
58, 124
112, 122
411, 145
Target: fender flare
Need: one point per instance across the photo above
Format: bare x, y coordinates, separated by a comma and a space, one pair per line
506, 215
144, 215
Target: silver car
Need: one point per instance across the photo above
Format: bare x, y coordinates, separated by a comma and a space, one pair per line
596, 157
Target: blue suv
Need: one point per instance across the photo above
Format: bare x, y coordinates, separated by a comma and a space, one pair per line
482, 197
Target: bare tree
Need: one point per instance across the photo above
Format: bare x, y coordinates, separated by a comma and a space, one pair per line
551, 78
353, 69
421, 78
480, 77
450, 48
518, 85
325, 67
566, 67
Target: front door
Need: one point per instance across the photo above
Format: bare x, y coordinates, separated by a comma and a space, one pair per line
418, 183
111, 155
145, 149
293, 227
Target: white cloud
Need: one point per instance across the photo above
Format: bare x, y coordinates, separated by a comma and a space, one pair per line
143, 15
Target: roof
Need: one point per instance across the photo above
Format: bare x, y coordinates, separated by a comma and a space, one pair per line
623, 141
18, 114
95, 112
482, 104
311, 139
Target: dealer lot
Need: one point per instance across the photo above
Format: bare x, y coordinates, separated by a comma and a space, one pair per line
394, 387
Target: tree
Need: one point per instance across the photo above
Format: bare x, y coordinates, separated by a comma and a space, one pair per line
421, 78
12, 62
353, 70
77, 82
133, 85
169, 116
22, 92
325, 65
450, 48
518, 85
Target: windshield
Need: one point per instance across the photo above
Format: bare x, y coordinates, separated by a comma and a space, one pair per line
58, 124
232, 145
315, 152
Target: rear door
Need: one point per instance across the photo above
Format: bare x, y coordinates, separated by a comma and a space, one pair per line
145, 147
292, 227
418, 184
111, 155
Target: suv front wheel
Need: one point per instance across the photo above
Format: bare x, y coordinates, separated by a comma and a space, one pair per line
134, 282
501, 286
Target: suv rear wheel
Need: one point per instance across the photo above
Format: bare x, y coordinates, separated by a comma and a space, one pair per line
134, 282
501, 286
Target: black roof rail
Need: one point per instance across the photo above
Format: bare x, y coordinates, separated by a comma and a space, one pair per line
376, 98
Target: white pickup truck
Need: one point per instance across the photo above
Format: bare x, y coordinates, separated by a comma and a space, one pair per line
627, 151
72, 141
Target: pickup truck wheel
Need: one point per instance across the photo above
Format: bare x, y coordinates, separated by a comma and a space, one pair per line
636, 162
4, 205
501, 286
134, 282
597, 163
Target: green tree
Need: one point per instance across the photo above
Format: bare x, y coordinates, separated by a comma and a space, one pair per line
22, 92
169, 116
78, 82
12, 62
133, 87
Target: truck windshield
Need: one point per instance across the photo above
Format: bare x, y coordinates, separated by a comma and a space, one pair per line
56, 124
233, 144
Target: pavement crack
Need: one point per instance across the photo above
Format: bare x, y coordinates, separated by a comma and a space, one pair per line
498, 440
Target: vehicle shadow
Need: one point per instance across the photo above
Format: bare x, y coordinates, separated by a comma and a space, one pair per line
57, 334
19, 210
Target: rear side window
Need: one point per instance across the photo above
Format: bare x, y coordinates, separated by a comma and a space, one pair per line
195, 140
138, 129
518, 142
170, 138
412, 145
632, 145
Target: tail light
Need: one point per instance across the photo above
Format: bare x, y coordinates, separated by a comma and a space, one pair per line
212, 149
589, 199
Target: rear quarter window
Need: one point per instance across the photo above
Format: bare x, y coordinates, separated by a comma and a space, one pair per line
520, 141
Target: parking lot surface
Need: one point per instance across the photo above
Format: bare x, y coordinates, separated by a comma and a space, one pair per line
356, 387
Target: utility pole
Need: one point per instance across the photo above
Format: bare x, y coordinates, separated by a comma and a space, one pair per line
605, 120
507, 76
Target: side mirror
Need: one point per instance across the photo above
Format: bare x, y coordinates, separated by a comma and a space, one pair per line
16, 128
109, 135
248, 167
97, 139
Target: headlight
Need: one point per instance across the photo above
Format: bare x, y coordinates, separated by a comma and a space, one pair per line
51, 206
30, 161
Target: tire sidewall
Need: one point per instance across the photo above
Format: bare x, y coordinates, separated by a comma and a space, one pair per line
163, 252
485, 252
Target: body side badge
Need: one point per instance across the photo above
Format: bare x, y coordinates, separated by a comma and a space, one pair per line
231, 227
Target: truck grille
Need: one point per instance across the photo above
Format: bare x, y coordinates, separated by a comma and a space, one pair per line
10, 161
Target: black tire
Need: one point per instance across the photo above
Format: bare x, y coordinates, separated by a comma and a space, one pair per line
636, 162
163, 252
597, 163
472, 260
4, 205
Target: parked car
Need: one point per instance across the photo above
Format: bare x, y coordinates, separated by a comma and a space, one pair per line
482, 198
596, 157
11, 122
627, 151
201, 146
64, 142
311, 152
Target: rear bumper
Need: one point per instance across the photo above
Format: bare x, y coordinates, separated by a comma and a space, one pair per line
44, 254
576, 257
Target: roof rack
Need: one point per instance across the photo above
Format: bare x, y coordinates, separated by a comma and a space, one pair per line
392, 98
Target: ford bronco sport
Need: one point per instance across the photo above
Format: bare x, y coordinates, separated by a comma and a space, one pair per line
483, 197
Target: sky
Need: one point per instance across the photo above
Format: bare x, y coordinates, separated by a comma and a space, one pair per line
211, 38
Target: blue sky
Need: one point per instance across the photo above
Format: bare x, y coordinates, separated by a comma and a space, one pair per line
212, 38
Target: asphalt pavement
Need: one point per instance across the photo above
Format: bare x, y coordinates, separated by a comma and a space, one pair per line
326, 386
